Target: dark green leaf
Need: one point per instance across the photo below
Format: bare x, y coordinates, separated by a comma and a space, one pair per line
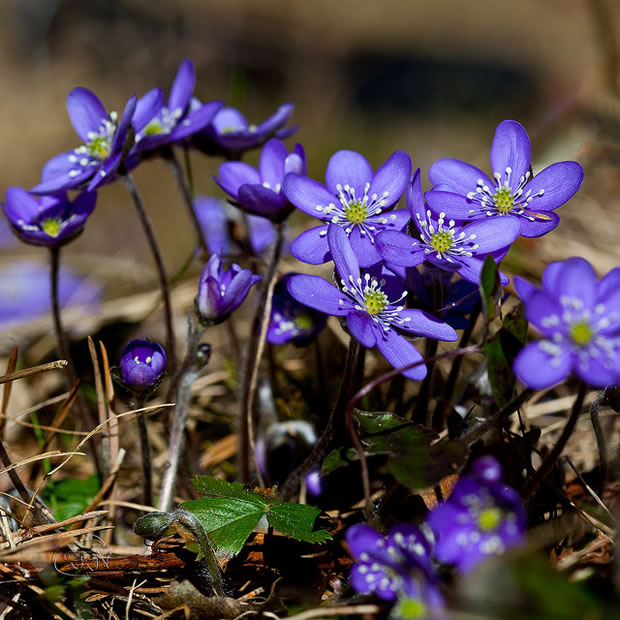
220, 488
490, 288
297, 521
424, 466
380, 433
71, 496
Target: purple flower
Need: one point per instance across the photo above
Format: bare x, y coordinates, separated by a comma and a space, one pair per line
481, 518
158, 124
291, 321
353, 198
464, 192
142, 366
216, 218
579, 319
104, 137
396, 566
220, 292
47, 220
25, 291
229, 134
446, 244
258, 191
374, 309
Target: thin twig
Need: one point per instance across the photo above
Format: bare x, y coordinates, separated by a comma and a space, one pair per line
35, 370
253, 356
547, 465
6, 395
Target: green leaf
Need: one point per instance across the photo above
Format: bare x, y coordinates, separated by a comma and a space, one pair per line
424, 466
297, 521
490, 288
380, 433
229, 514
515, 323
71, 496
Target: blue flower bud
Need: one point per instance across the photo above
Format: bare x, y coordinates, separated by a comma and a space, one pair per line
143, 364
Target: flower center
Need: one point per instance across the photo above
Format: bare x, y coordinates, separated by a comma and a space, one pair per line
99, 144
153, 128
411, 608
489, 519
504, 200
442, 240
51, 226
581, 333
375, 300
356, 211
303, 321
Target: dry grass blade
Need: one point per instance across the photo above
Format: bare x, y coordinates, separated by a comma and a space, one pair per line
7, 389
35, 370
98, 428
39, 457
101, 408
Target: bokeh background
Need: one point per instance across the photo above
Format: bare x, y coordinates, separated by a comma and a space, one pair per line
433, 78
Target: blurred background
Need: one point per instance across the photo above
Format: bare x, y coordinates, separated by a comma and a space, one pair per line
431, 78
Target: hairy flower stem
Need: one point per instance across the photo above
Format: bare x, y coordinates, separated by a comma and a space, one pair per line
547, 465
145, 447
155, 525
63, 347
132, 189
187, 375
442, 409
335, 420
253, 356
182, 183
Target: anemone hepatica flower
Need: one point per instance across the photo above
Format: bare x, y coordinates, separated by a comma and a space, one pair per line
464, 192
221, 292
373, 307
481, 518
160, 123
579, 319
258, 191
291, 321
444, 243
47, 220
396, 566
229, 133
25, 291
142, 366
353, 198
104, 137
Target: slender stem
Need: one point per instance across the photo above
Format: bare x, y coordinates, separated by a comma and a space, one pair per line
290, 486
145, 446
188, 374
442, 408
547, 465
132, 189
186, 191
595, 410
253, 356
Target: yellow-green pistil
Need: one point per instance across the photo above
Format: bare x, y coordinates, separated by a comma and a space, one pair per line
375, 301
489, 519
99, 147
356, 212
303, 321
51, 226
153, 128
504, 200
581, 333
442, 241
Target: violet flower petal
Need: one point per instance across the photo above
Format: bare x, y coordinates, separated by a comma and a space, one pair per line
459, 175
347, 167
511, 149
85, 111
316, 292
311, 246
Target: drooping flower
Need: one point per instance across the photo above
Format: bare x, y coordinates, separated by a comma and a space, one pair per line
393, 567
25, 292
259, 191
142, 366
47, 220
104, 137
353, 198
220, 291
163, 123
444, 243
373, 308
290, 320
482, 517
464, 192
579, 319
230, 135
